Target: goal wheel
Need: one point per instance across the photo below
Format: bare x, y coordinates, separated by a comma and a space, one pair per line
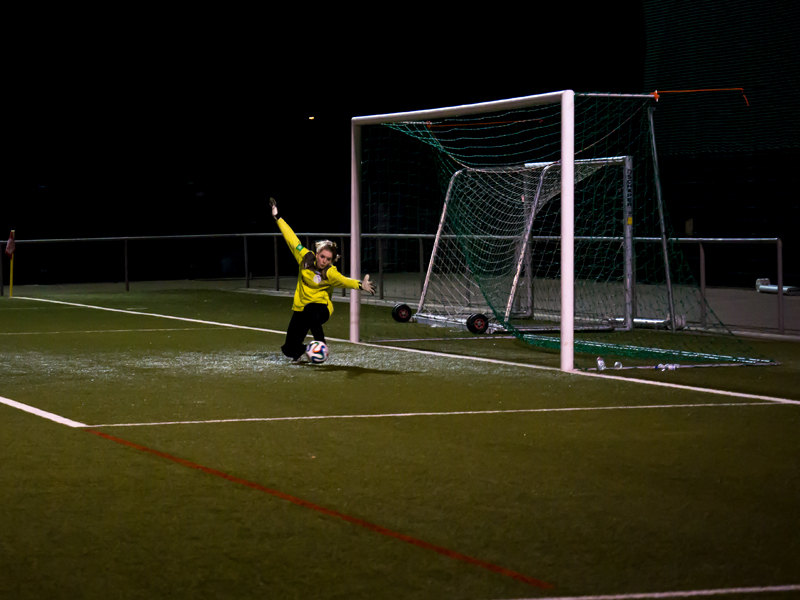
477, 323
401, 313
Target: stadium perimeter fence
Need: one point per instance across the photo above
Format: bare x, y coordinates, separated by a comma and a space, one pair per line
381, 241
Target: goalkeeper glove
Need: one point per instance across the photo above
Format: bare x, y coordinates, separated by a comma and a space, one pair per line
274, 206
367, 285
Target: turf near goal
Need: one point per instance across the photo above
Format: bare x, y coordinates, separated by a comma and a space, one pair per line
540, 217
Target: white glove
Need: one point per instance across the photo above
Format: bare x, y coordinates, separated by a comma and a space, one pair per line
274, 206
367, 285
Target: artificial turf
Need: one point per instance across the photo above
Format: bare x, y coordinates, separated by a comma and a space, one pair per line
609, 498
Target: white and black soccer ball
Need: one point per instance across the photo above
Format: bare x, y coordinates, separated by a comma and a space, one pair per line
317, 352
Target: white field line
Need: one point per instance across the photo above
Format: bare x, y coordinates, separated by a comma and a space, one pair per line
158, 316
435, 414
107, 331
442, 354
588, 374
40, 413
686, 594
678, 594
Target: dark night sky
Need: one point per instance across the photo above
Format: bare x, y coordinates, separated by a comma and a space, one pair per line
114, 124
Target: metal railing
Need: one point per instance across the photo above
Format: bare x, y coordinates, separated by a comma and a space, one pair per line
779, 248
380, 237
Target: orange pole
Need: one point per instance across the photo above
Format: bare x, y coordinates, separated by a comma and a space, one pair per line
657, 93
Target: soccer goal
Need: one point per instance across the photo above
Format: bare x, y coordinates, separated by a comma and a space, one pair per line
540, 217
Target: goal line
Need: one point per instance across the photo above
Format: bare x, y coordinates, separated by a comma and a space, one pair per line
437, 354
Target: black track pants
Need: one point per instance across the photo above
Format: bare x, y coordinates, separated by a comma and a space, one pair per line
312, 318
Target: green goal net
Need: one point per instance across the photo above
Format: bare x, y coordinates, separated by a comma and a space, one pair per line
461, 220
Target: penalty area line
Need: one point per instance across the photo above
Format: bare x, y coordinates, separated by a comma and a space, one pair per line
432, 414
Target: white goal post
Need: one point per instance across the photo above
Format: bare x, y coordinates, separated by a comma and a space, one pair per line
566, 99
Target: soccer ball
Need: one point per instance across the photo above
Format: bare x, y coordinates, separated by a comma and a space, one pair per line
317, 352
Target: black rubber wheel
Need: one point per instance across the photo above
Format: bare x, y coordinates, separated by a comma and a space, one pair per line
478, 323
401, 313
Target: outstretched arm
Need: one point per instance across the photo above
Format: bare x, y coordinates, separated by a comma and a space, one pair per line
291, 239
339, 280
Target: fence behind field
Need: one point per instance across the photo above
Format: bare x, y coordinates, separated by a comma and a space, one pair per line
152, 251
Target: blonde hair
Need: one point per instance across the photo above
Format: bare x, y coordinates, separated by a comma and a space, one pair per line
327, 245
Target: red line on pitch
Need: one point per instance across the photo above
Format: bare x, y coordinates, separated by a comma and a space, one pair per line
332, 513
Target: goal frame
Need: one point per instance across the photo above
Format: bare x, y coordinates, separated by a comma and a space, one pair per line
624, 163
566, 98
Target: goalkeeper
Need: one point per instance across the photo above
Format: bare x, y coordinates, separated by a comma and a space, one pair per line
312, 305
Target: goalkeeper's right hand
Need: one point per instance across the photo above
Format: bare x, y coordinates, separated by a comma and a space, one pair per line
367, 285
274, 206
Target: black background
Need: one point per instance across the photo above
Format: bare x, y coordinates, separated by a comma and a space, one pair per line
155, 124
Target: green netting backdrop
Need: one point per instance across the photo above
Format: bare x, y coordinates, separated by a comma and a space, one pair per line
406, 171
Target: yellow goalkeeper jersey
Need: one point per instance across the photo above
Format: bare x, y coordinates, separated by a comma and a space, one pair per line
313, 285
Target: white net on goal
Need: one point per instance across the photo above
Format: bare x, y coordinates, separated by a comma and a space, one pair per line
483, 257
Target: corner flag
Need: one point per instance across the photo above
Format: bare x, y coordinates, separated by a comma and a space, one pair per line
10, 251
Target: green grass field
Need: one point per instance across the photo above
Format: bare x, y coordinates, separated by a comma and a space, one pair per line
204, 465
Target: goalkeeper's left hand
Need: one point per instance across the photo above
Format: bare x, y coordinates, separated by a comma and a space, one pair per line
274, 206
367, 285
